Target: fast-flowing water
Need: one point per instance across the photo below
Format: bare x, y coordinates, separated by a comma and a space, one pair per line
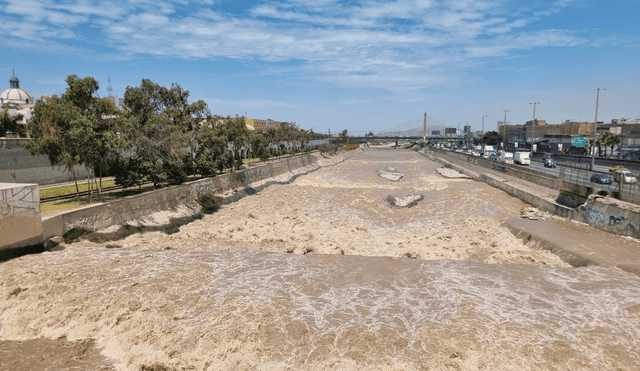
324, 274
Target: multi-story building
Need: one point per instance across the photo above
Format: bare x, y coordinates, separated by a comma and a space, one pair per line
263, 124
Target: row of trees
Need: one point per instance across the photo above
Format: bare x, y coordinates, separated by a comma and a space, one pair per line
607, 139
159, 136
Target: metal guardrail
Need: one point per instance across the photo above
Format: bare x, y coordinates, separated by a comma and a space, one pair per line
577, 173
628, 192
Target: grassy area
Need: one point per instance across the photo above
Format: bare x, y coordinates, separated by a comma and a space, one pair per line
58, 191
84, 200
247, 160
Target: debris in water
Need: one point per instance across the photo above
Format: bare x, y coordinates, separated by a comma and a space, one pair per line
451, 173
391, 173
532, 213
405, 201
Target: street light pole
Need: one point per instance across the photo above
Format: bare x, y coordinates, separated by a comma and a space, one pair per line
595, 129
483, 133
533, 125
504, 129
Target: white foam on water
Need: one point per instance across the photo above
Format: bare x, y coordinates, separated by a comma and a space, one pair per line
161, 306
207, 298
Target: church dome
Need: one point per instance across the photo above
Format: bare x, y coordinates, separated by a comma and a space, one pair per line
14, 94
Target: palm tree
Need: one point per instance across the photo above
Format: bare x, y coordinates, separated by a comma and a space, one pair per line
10, 123
610, 139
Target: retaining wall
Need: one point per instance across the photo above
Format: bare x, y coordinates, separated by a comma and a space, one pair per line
604, 213
609, 215
20, 223
10, 143
518, 171
531, 199
97, 217
32, 169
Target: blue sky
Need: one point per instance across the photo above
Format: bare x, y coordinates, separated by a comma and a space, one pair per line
328, 64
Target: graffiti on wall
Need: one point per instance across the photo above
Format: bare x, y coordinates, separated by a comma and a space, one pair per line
19, 200
616, 219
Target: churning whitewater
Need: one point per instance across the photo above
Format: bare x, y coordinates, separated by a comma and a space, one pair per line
325, 273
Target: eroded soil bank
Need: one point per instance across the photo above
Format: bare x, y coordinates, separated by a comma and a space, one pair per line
317, 275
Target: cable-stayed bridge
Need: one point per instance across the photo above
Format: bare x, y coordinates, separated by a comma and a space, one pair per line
418, 128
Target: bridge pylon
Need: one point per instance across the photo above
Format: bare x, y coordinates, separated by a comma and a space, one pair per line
424, 131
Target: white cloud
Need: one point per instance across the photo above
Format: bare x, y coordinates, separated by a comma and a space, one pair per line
411, 43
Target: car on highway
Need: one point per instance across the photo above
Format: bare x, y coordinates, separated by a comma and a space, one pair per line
601, 178
613, 169
550, 162
629, 177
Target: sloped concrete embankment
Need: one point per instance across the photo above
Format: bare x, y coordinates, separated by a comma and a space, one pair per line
538, 241
611, 215
604, 213
177, 204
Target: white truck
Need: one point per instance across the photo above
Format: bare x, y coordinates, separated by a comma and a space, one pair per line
522, 158
506, 157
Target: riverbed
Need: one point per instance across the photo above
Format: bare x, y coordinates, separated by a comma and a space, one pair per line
327, 273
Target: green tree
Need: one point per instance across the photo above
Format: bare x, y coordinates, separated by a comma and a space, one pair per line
53, 130
259, 145
610, 139
72, 130
492, 138
236, 133
11, 123
212, 145
344, 135
598, 144
163, 128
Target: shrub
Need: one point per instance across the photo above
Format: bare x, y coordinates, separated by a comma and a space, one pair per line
209, 202
73, 234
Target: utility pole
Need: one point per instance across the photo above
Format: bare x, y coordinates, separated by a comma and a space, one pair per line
533, 125
504, 126
595, 130
466, 136
483, 133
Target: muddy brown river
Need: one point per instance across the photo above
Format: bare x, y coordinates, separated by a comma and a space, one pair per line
324, 274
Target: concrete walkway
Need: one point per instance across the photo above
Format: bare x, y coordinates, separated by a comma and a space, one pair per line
576, 243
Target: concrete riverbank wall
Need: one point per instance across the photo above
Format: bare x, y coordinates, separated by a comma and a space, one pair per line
20, 223
532, 176
231, 186
604, 213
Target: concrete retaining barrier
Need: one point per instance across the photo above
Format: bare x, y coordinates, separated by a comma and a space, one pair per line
33, 169
605, 213
20, 223
520, 172
610, 215
244, 182
531, 199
